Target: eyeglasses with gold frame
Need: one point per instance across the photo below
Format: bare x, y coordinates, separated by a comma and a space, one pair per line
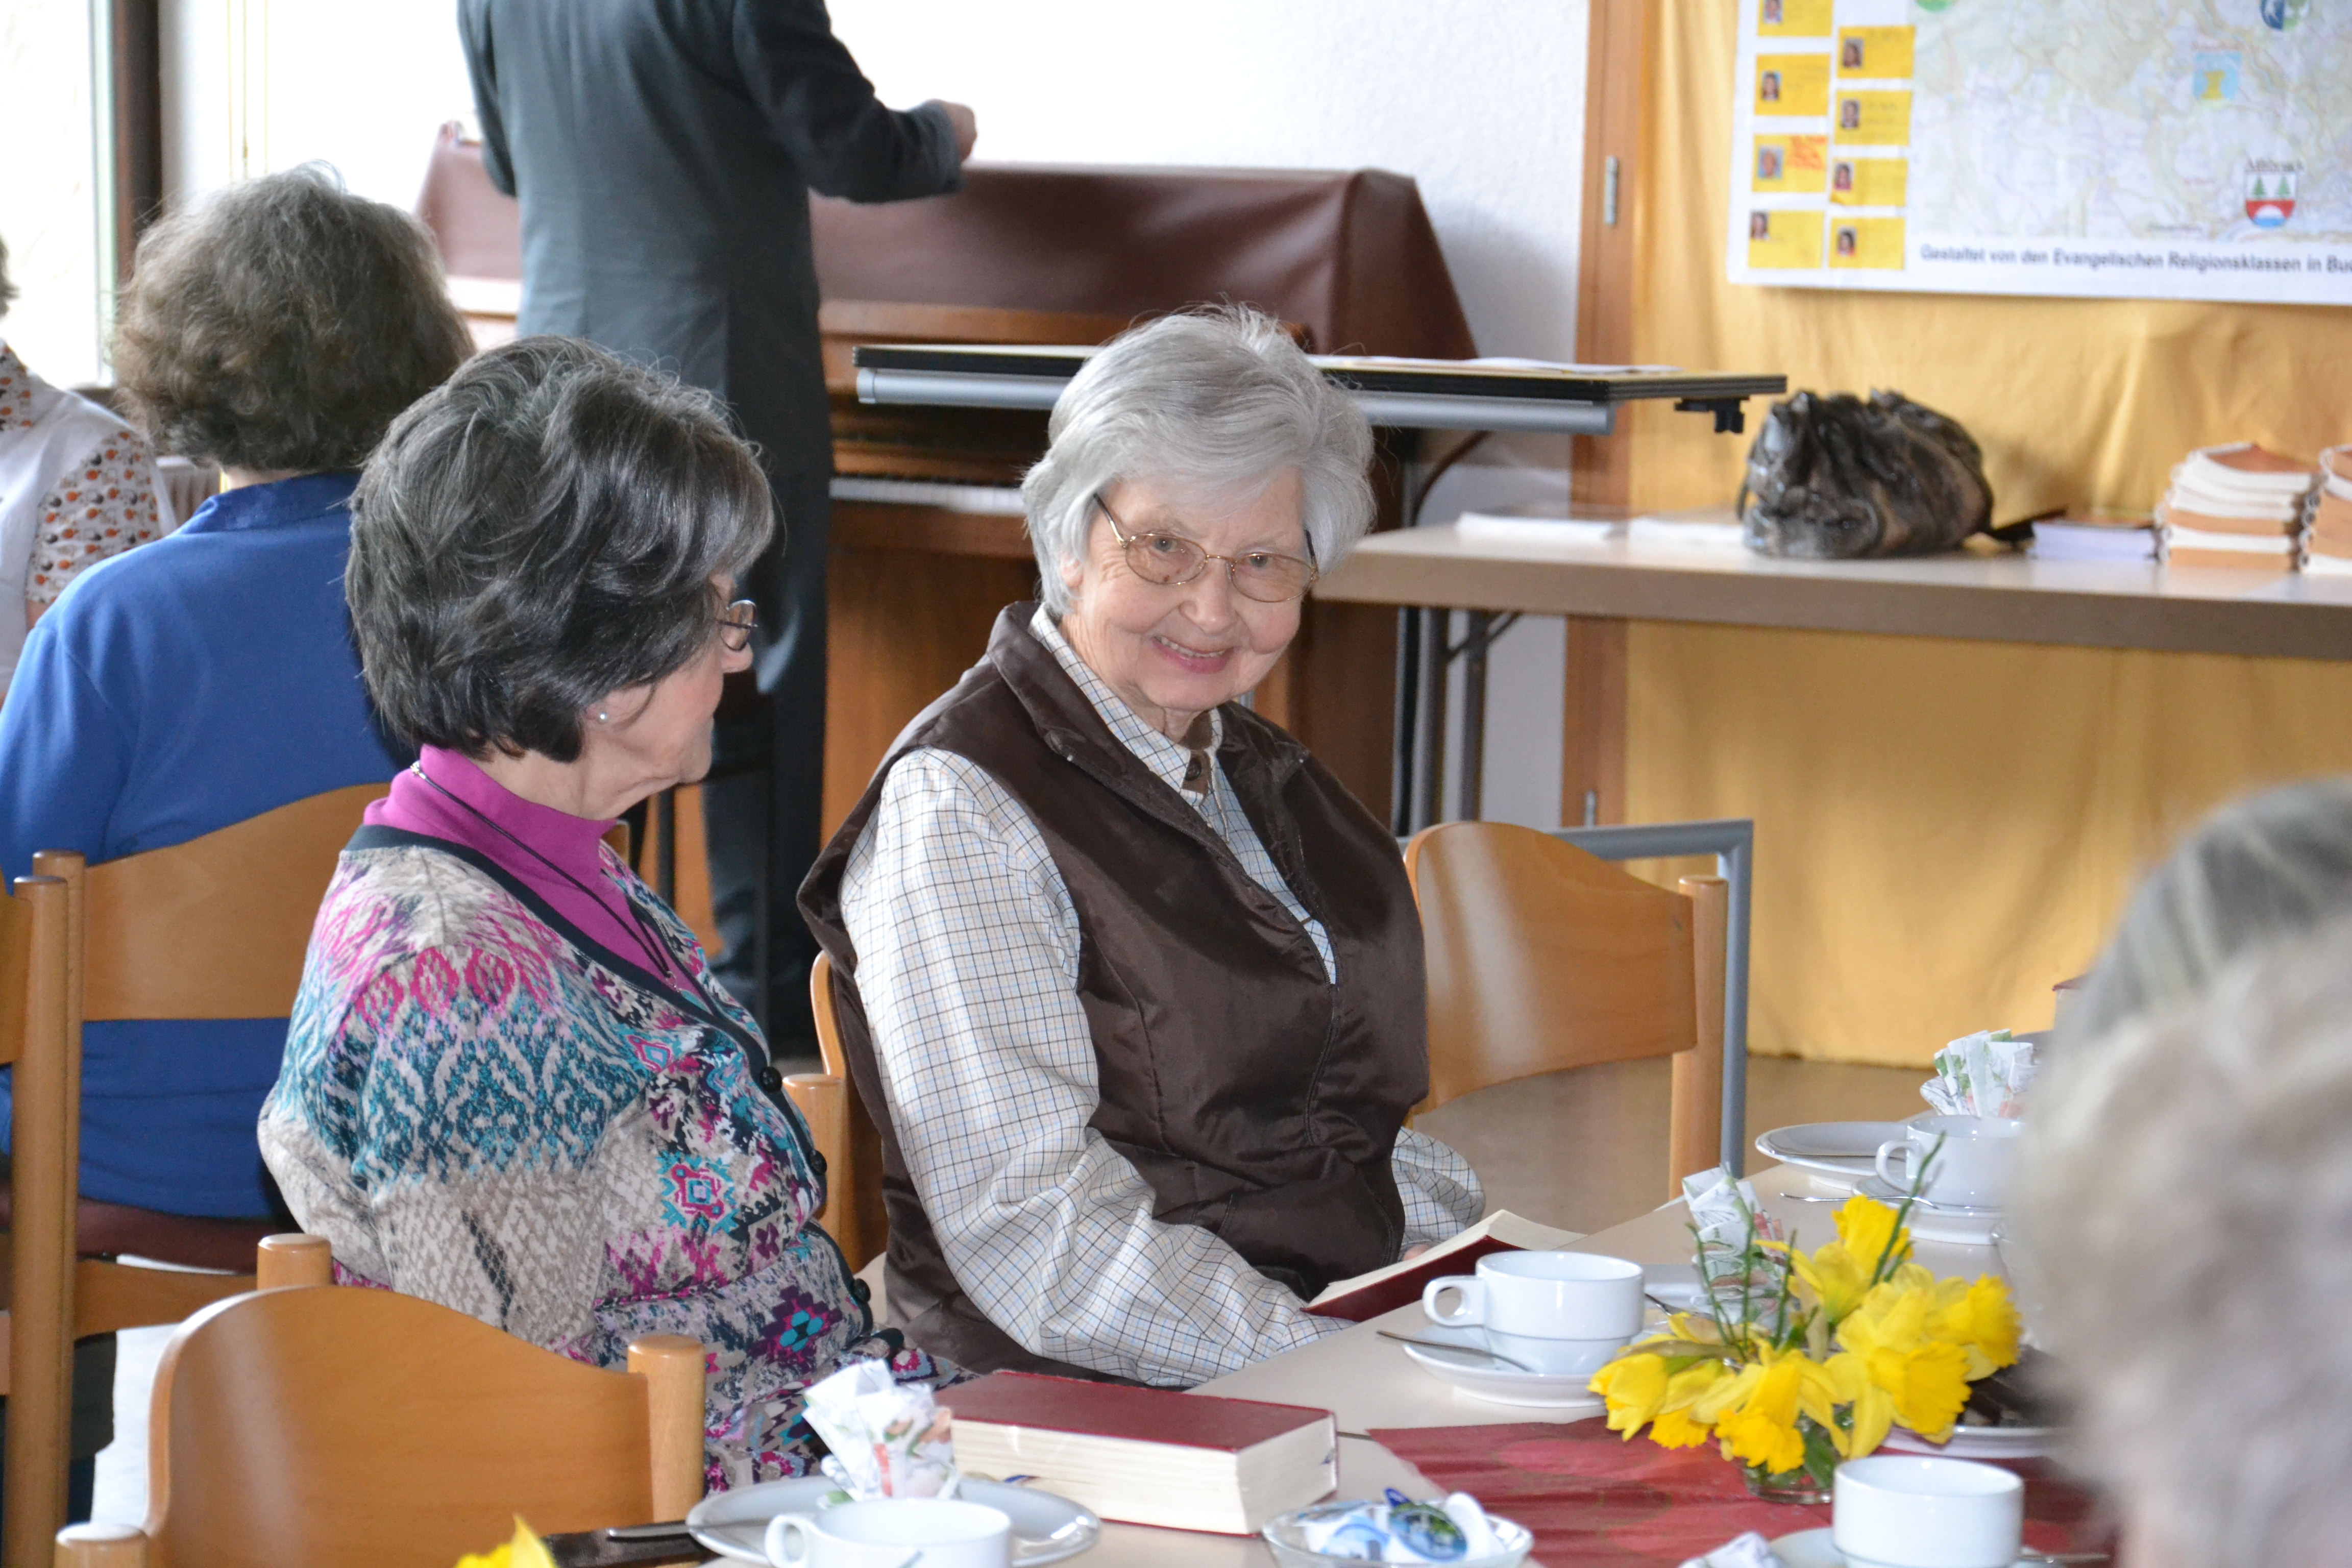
1171, 561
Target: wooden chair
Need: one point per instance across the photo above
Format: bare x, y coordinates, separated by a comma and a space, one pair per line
369, 1430
855, 1161
215, 928
1542, 957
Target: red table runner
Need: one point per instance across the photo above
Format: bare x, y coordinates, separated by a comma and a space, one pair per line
1591, 1498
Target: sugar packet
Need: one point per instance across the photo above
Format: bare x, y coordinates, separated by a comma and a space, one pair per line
889, 1440
1983, 1074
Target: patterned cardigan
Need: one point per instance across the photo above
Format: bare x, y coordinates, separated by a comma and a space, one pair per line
481, 1106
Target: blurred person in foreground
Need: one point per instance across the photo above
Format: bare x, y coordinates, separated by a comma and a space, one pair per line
512, 1084
2185, 1191
1132, 985
664, 154
2268, 865
77, 486
274, 328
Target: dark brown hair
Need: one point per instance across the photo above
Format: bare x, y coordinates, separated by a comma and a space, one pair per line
538, 532
281, 324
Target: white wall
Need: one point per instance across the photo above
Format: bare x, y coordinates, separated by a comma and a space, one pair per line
48, 188
1482, 101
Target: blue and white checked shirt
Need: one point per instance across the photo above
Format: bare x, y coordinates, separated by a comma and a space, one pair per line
968, 967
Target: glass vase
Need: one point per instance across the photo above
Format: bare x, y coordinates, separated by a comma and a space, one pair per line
1784, 1486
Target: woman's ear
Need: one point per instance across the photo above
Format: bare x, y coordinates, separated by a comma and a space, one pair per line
1073, 574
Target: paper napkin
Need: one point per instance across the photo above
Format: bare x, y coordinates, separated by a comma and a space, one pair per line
1983, 1074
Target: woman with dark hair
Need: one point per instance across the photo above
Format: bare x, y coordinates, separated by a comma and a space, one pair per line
273, 329
511, 1084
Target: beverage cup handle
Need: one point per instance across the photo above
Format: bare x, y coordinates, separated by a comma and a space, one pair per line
1886, 1153
1473, 1310
787, 1543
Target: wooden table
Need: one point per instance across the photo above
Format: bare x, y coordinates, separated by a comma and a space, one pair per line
1368, 1382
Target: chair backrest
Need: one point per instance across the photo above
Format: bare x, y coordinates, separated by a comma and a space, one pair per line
370, 1429
40, 1037
1542, 958
854, 1170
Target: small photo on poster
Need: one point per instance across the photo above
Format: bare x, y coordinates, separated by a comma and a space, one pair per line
1784, 239
1792, 84
1864, 242
1794, 18
1872, 119
1790, 165
1868, 181
1884, 52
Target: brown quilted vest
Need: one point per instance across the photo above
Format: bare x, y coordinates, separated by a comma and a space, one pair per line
1257, 1100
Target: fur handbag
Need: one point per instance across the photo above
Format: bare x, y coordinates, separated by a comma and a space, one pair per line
1835, 477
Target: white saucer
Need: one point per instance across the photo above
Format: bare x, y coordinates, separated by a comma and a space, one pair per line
1978, 1442
1673, 1286
1046, 1527
1817, 1549
1480, 1378
1846, 1149
1967, 1227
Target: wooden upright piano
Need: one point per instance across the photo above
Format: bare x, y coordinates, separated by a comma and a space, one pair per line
926, 532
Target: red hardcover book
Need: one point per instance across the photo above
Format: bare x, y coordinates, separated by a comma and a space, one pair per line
1147, 1456
1367, 1296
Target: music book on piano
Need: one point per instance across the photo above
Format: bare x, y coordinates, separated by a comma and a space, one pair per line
1367, 1296
1147, 1456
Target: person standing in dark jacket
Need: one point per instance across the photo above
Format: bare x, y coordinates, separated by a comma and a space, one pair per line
663, 151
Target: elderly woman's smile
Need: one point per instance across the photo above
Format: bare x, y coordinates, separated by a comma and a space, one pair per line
1173, 651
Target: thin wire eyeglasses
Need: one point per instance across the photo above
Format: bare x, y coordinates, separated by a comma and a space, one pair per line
1171, 560
735, 625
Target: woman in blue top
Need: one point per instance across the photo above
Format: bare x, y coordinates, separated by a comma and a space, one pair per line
275, 328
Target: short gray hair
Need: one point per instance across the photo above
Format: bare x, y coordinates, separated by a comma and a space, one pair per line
2185, 1190
1211, 402
2271, 865
538, 532
8, 289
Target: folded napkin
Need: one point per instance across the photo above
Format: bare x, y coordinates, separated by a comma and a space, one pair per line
1748, 1551
1724, 1216
1983, 1074
889, 1438
1399, 1530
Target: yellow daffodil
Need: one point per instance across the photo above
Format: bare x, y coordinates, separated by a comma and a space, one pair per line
1760, 1427
1836, 1280
1873, 1408
1927, 1377
1635, 1386
1980, 1318
1675, 1429
525, 1550
1867, 1230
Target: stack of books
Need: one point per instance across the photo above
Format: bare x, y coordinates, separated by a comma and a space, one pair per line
2236, 506
2094, 534
2328, 543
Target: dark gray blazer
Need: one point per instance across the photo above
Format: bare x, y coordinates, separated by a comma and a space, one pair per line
664, 151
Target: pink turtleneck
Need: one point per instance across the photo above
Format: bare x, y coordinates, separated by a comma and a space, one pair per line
595, 902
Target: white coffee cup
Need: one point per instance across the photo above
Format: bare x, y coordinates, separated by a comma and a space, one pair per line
1557, 1313
888, 1532
1969, 1169
1905, 1511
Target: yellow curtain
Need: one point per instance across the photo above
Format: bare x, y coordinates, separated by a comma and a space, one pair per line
1945, 828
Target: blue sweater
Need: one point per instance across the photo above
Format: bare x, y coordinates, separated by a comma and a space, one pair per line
174, 689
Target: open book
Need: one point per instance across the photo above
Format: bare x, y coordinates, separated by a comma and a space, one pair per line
1369, 1295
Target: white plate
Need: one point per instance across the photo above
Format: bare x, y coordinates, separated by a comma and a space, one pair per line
1046, 1527
1978, 1442
1846, 1149
1817, 1549
1970, 1229
1479, 1378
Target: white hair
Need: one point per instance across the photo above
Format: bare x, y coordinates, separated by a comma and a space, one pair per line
2185, 1193
1212, 403
2269, 866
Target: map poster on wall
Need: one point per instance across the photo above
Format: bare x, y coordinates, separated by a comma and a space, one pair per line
2119, 149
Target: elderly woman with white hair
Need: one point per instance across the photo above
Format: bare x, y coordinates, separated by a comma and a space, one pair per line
2186, 1190
1130, 983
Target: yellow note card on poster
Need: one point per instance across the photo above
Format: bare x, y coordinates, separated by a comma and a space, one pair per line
1872, 119
1784, 239
1792, 84
1868, 181
1863, 242
1794, 166
1794, 18
1873, 51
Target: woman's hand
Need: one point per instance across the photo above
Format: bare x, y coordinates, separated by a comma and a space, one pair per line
1412, 1252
